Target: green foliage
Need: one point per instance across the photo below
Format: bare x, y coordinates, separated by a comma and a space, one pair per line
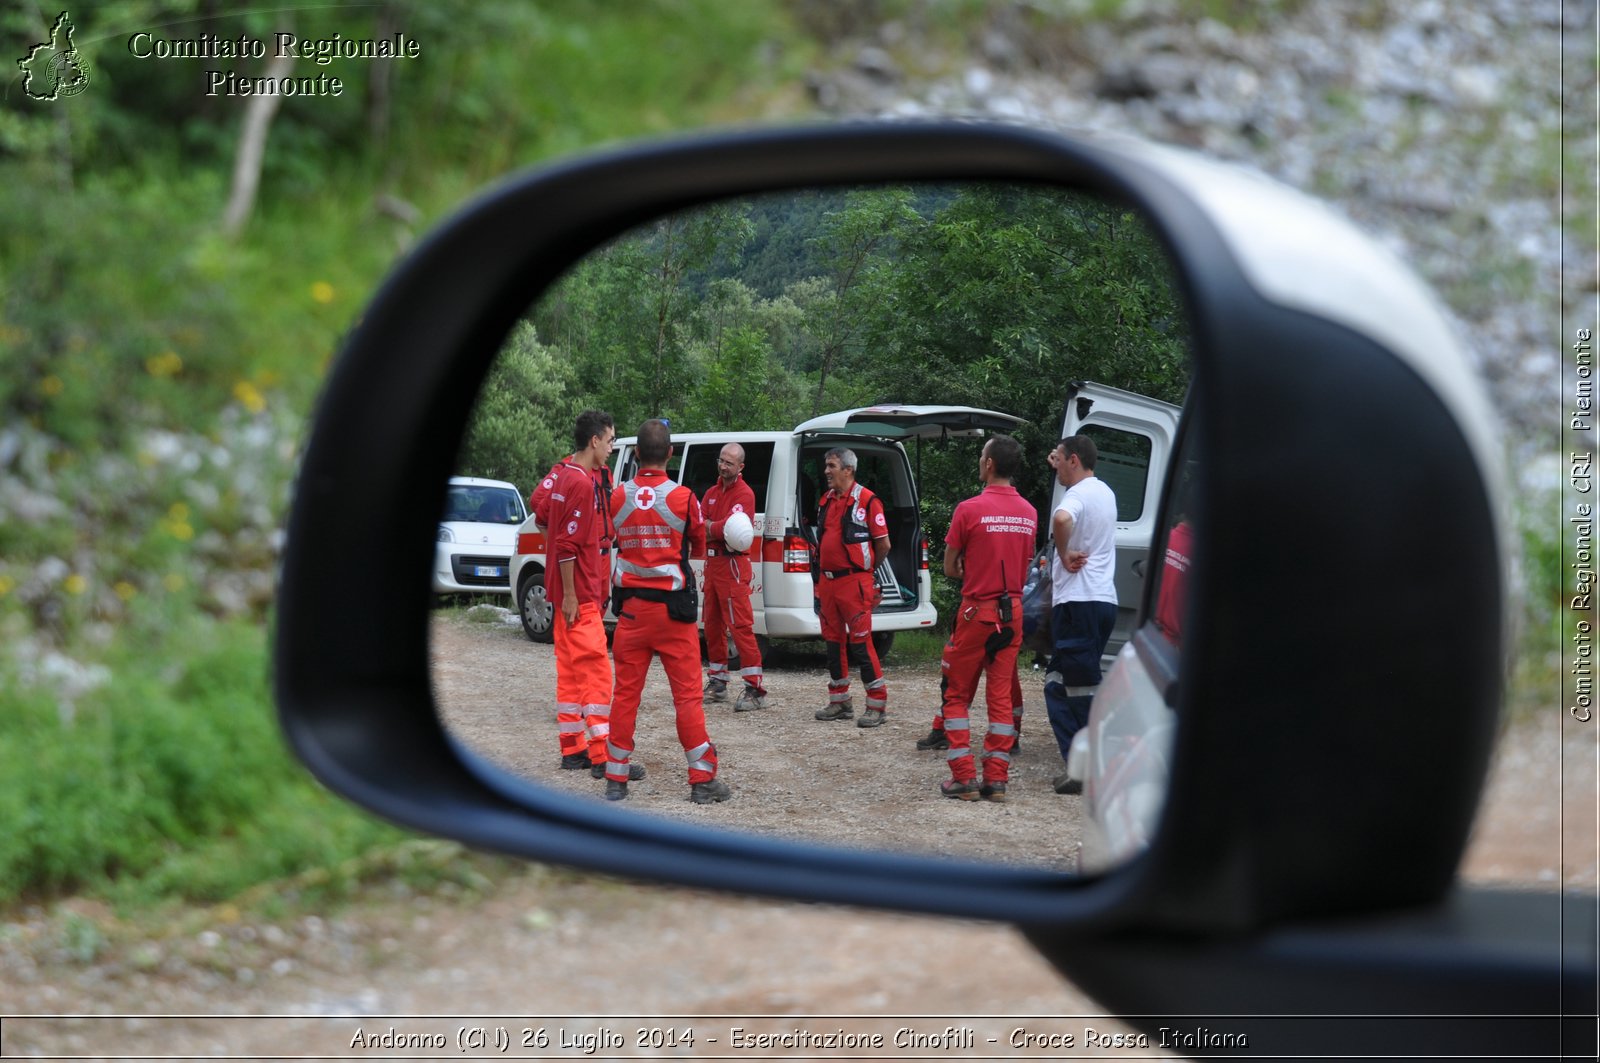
155, 375
172, 780
516, 431
1539, 680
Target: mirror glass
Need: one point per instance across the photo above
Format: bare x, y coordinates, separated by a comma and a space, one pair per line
954, 312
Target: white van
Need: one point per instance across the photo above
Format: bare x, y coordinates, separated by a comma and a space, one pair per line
1134, 435
784, 469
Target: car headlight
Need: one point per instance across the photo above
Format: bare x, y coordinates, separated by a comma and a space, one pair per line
446, 535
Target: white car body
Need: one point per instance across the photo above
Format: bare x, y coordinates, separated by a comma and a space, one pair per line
477, 536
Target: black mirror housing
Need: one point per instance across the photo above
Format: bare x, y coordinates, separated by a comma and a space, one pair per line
1339, 691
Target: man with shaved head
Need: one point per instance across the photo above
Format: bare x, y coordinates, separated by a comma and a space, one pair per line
729, 575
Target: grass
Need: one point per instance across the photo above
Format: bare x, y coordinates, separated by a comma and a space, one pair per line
170, 781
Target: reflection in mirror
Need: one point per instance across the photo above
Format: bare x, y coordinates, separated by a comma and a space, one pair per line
745, 325
1127, 747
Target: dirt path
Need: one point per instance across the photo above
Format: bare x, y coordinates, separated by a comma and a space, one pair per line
541, 942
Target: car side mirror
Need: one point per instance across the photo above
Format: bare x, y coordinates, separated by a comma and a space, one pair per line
1346, 457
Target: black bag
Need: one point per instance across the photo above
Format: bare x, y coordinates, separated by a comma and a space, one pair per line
1036, 604
684, 605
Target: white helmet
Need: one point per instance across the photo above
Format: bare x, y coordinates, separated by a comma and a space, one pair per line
738, 533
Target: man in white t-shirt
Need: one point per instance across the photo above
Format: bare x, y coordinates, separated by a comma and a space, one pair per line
1083, 529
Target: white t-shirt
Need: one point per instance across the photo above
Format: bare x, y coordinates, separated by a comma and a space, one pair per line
1093, 509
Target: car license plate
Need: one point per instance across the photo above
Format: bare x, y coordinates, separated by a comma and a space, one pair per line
485, 571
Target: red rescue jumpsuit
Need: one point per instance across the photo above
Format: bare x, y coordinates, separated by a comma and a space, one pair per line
658, 524
728, 588
848, 593
994, 531
580, 529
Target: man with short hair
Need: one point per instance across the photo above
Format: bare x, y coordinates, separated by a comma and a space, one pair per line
539, 499
579, 526
988, 548
1083, 573
853, 541
659, 527
728, 581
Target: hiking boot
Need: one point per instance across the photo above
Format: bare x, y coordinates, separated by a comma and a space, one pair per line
936, 739
993, 791
709, 793
574, 761
1016, 745
635, 771
616, 791
716, 690
1066, 784
751, 700
837, 710
871, 718
961, 791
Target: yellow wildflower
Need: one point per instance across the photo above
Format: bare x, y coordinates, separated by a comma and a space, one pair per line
75, 584
165, 364
125, 590
173, 582
51, 385
7, 584
178, 511
249, 397
322, 292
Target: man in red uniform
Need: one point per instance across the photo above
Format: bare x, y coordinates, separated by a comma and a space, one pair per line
854, 540
989, 548
1174, 589
659, 526
575, 578
728, 579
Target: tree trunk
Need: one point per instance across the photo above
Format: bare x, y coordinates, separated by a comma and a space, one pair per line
378, 86
258, 117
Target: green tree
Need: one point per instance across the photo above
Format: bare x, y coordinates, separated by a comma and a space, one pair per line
519, 426
853, 250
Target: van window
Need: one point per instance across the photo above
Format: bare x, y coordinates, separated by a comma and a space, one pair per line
882, 470
700, 468
628, 466
1124, 465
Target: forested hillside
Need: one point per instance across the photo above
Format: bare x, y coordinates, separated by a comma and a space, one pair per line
177, 269
761, 313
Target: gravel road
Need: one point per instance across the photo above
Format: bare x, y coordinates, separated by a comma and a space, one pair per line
792, 775
537, 941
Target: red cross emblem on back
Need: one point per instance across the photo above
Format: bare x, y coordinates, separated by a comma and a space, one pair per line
646, 497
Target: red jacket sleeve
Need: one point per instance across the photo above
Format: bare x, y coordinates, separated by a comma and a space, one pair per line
877, 524
694, 525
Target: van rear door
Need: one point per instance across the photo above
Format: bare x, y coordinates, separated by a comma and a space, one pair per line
904, 578
899, 423
1134, 436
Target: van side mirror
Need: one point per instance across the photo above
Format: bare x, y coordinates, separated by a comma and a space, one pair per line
1320, 368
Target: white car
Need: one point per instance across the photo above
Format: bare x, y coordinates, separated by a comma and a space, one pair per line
477, 536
